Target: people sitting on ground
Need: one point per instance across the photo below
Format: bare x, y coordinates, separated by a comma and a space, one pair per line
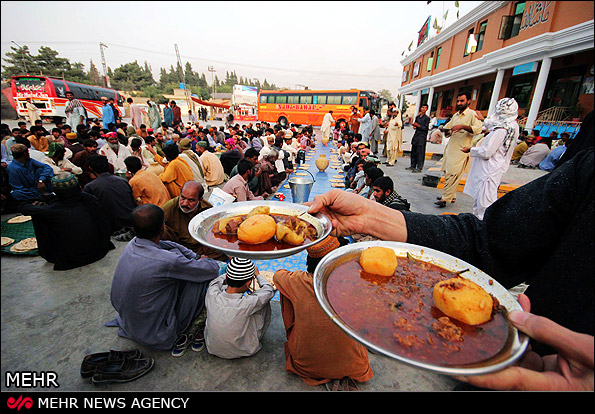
114, 195
552, 159
136, 150
212, 167
230, 158
159, 286
56, 159
178, 213
521, 148
371, 173
176, 172
38, 139
72, 143
81, 159
237, 186
147, 187
269, 176
193, 161
254, 183
237, 317
71, 229
317, 350
537, 153
115, 152
28, 178
35, 154
564, 137
356, 182
385, 194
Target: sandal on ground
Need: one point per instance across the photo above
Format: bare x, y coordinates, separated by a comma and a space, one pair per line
181, 345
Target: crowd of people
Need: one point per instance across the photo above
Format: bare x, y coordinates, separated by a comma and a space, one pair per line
143, 184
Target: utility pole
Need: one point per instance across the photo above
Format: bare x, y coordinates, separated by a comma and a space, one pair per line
107, 83
186, 92
212, 70
22, 56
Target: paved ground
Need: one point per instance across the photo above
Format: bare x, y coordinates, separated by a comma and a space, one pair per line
50, 320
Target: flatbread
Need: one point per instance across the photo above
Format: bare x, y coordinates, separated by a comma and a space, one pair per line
6, 241
24, 245
300, 173
19, 219
338, 185
338, 176
286, 186
335, 180
254, 286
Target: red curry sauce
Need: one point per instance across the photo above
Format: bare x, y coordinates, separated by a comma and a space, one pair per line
230, 241
398, 314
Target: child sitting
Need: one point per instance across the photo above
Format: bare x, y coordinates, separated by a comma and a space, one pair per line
236, 317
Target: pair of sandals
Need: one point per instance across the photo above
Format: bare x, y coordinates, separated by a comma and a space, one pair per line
343, 384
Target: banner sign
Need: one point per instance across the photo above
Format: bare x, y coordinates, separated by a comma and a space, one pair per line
424, 32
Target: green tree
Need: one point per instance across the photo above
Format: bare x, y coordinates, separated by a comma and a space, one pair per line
131, 76
95, 78
18, 61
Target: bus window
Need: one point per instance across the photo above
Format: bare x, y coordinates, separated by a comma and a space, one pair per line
281, 99
320, 99
293, 99
334, 100
306, 99
263, 99
363, 102
350, 99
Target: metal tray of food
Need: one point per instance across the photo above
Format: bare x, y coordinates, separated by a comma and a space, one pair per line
203, 222
516, 343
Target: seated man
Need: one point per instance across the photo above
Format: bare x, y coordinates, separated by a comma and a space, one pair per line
38, 139
385, 194
552, 159
56, 158
159, 286
146, 186
176, 172
237, 186
114, 195
521, 148
71, 230
29, 179
237, 318
537, 153
178, 213
212, 167
317, 350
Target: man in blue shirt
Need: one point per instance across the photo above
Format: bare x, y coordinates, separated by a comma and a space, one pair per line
29, 179
108, 113
550, 161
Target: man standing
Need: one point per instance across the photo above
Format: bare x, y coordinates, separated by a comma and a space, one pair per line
374, 133
135, 114
463, 126
159, 287
491, 158
177, 113
154, 115
108, 116
418, 142
354, 120
364, 127
32, 110
327, 121
75, 111
394, 138
168, 115
178, 213
192, 117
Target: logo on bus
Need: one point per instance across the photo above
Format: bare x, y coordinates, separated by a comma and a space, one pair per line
303, 107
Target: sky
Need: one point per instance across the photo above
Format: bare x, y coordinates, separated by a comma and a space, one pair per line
321, 45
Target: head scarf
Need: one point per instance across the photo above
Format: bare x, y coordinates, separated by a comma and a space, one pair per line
53, 148
505, 115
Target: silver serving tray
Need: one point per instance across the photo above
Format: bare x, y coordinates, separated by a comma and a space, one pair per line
517, 343
202, 223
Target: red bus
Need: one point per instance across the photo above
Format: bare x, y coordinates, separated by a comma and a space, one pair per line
49, 95
310, 106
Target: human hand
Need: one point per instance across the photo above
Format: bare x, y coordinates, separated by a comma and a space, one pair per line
348, 212
570, 370
466, 149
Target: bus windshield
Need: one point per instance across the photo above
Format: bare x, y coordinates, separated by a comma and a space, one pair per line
30, 87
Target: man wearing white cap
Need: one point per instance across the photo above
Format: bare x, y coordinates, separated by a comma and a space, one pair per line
237, 318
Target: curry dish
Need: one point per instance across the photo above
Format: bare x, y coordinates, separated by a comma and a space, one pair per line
261, 230
398, 314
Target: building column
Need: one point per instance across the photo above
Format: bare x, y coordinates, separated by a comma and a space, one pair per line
417, 103
544, 72
430, 98
496, 91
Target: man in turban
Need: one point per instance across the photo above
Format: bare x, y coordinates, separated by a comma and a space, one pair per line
491, 159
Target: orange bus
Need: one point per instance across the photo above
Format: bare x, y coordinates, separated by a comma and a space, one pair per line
308, 107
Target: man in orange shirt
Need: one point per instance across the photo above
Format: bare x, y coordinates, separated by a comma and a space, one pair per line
147, 188
317, 350
37, 140
177, 171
